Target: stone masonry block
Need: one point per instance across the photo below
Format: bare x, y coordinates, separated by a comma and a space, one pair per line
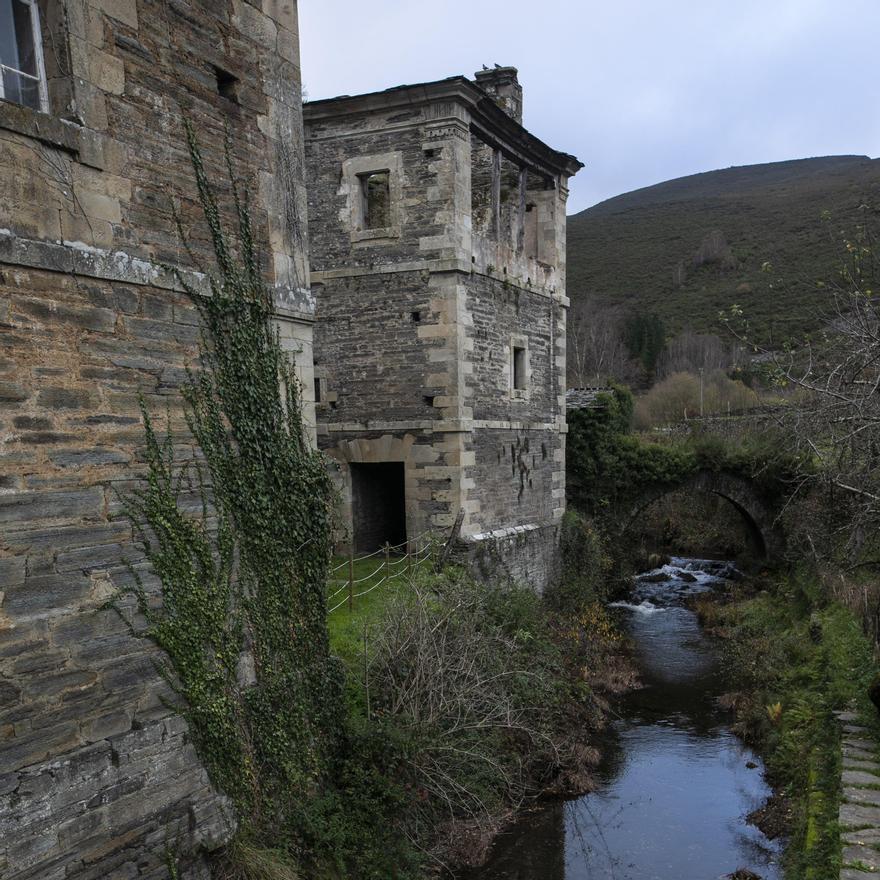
107, 72
122, 10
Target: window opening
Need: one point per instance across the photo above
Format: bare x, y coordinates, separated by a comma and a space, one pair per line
376, 193
518, 367
227, 84
22, 74
317, 390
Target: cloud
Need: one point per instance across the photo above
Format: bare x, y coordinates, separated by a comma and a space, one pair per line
641, 91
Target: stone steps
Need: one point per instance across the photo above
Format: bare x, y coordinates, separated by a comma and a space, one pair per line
859, 814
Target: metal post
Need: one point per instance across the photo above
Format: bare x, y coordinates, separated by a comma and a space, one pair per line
350, 579
701, 392
366, 673
387, 558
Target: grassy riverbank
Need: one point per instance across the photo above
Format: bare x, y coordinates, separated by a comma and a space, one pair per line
793, 659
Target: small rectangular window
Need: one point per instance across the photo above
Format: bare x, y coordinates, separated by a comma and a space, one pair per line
227, 84
22, 75
317, 390
376, 195
518, 368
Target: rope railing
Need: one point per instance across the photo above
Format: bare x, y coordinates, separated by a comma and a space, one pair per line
414, 556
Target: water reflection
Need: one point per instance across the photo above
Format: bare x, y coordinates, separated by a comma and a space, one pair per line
676, 784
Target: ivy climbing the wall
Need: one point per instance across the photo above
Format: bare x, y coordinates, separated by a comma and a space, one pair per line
242, 618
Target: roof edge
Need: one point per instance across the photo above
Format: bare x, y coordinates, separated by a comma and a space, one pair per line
490, 118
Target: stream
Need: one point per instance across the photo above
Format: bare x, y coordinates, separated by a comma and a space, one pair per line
675, 783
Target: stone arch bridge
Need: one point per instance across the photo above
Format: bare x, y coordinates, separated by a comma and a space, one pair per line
759, 512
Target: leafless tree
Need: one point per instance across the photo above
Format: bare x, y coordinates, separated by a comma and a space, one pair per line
691, 352
596, 348
835, 413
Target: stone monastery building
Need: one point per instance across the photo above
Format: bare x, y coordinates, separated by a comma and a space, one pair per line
437, 237
437, 307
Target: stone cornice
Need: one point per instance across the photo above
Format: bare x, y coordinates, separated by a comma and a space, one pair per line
440, 426
435, 267
76, 258
491, 122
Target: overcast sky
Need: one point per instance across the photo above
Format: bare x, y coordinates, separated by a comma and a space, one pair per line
641, 91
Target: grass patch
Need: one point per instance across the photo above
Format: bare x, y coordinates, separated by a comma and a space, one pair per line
346, 621
795, 660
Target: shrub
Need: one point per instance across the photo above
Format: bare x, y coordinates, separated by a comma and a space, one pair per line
470, 681
586, 566
678, 397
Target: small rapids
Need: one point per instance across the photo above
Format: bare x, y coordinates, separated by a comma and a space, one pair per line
676, 784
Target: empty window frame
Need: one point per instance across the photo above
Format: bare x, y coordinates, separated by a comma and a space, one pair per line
518, 367
227, 84
376, 199
22, 73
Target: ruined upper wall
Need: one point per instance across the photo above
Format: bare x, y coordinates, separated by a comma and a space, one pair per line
469, 188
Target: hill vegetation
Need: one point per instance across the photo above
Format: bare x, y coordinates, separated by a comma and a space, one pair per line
686, 249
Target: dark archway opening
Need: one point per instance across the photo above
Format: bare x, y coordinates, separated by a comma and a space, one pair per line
756, 536
697, 520
378, 505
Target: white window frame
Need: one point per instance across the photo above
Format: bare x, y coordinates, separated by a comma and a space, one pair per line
38, 57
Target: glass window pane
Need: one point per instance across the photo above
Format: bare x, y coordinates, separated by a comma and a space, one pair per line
8, 49
24, 32
21, 89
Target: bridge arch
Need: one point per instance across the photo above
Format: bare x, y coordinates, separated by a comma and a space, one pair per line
758, 515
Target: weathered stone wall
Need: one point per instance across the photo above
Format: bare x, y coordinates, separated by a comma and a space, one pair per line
97, 775
522, 554
337, 153
504, 315
515, 474
418, 321
370, 346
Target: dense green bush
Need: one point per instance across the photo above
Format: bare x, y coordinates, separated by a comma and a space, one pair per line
587, 566
609, 467
608, 464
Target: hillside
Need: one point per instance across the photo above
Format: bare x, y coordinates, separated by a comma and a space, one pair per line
690, 247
